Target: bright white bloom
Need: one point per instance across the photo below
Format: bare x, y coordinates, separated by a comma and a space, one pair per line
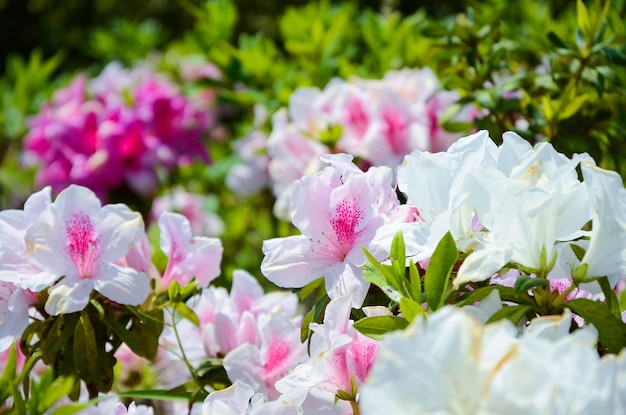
112, 406
452, 364
15, 267
605, 255
527, 203
432, 185
78, 240
240, 399
14, 305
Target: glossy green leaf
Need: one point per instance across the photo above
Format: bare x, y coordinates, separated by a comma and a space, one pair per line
438, 272
514, 313
617, 54
410, 309
415, 282
58, 389
310, 288
611, 330
377, 326
524, 283
610, 296
398, 260
156, 394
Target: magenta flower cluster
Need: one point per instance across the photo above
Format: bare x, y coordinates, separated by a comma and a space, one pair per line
123, 127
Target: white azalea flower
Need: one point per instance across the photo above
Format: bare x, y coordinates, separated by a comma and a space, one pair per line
78, 240
452, 364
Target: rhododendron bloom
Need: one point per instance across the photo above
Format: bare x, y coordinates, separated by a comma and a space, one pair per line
277, 351
14, 306
115, 129
78, 240
229, 320
338, 211
15, 268
189, 256
340, 355
605, 255
240, 398
452, 364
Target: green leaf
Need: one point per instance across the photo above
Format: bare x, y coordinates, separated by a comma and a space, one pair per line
304, 328
582, 16
578, 251
383, 276
416, 282
188, 313
173, 291
438, 272
377, 326
71, 409
617, 54
611, 330
410, 309
129, 339
373, 275
8, 374
398, 260
513, 313
310, 288
610, 296
385, 270
524, 283
59, 388
157, 394
91, 362
313, 316
556, 40
572, 106
149, 329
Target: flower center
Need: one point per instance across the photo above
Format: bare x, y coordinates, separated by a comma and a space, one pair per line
82, 243
347, 219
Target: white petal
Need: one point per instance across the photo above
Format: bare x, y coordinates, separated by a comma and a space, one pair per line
123, 285
69, 296
482, 264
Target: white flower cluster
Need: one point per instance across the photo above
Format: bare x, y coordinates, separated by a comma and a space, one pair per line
452, 364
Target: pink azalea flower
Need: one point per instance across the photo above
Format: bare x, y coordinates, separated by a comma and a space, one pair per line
78, 239
340, 355
189, 256
115, 129
338, 211
192, 206
261, 365
229, 320
292, 155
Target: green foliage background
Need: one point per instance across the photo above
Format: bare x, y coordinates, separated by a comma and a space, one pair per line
557, 64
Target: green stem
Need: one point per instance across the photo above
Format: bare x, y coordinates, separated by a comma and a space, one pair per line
355, 407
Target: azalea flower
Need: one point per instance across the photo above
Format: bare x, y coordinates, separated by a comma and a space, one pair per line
189, 256
452, 364
605, 255
15, 267
339, 357
275, 353
241, 399
78, 240
14, 308
338, 211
